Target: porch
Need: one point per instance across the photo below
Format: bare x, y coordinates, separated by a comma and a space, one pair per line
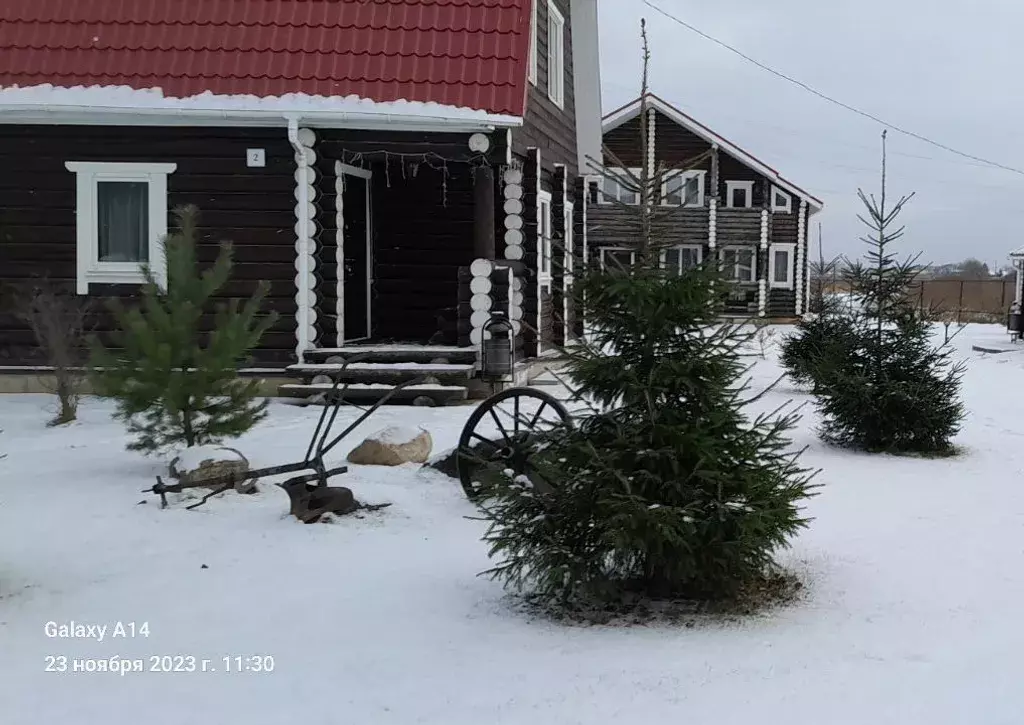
393, 233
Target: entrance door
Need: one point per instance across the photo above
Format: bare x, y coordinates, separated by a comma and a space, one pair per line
355, 250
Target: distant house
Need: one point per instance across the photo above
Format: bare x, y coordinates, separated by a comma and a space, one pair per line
359, 155
733, 207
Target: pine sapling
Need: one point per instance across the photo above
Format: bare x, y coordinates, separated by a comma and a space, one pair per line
174, 376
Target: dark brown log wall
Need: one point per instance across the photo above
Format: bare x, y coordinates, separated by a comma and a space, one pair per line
674, 145
252, 207
531, 184
546, 126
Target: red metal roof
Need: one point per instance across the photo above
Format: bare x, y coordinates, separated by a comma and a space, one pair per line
467, 53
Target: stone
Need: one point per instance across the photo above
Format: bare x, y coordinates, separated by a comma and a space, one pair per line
393, 446
199, 463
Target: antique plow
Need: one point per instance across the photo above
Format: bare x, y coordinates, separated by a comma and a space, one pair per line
320, 444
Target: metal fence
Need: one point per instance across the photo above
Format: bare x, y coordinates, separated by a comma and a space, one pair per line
969, 300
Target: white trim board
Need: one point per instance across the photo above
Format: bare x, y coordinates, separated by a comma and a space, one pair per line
630, 111
341, 171
122, 105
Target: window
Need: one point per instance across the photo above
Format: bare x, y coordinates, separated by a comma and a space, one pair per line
615, 259
684, 189
533, 42
544, 239
781, 201
556, 56
121, 218
685, 256
738, 263
739, 194
618, 186
780, 265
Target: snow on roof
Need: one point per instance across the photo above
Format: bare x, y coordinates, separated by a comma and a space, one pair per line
630, 111
43, 101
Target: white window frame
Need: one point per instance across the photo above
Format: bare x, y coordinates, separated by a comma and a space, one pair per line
697, 174
730, 186
698, 247
556, 56
602, 196
632, 255
544, 239
533, 41
731, 276
791, 272
91, 270
788, 206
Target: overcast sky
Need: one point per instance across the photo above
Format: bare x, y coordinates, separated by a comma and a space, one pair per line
932, 68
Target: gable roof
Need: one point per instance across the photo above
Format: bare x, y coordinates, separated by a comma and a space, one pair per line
631, 110
461, 59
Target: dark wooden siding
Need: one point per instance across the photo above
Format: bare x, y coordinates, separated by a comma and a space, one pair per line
251, 207
674, 145
612, 225
546, 126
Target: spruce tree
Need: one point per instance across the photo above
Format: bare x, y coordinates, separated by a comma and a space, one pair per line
175, 383
888, 388
663, 486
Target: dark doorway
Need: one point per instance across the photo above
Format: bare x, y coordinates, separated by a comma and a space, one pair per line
356, 236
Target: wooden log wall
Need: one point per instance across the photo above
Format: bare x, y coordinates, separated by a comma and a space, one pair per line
424, 234
251, 207
531, 189
556, 310
579, 239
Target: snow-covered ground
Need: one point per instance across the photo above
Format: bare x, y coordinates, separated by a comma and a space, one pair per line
914, 611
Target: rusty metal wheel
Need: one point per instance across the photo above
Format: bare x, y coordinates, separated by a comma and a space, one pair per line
503, 433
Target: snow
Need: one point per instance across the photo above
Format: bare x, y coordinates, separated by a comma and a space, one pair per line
425, 368
396, 435
911, 612
114, 99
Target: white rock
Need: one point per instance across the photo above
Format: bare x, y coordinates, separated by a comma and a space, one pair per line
393, 446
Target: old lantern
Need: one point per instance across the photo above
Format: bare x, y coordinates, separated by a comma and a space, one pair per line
1015, 321
496, 355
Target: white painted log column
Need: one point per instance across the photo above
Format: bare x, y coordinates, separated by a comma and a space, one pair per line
513, 209
801, 255
762, 276
650, 160
305, 233
480, 302
713, 237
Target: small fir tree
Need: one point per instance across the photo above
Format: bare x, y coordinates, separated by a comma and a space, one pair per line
175, 383
665, 488
888, 388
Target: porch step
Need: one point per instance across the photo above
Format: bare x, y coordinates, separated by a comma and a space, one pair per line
382, 372
395, 353
367, 394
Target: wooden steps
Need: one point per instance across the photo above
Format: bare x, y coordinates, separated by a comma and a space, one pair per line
438, 375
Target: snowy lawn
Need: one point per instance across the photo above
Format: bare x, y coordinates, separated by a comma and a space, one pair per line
913, 611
